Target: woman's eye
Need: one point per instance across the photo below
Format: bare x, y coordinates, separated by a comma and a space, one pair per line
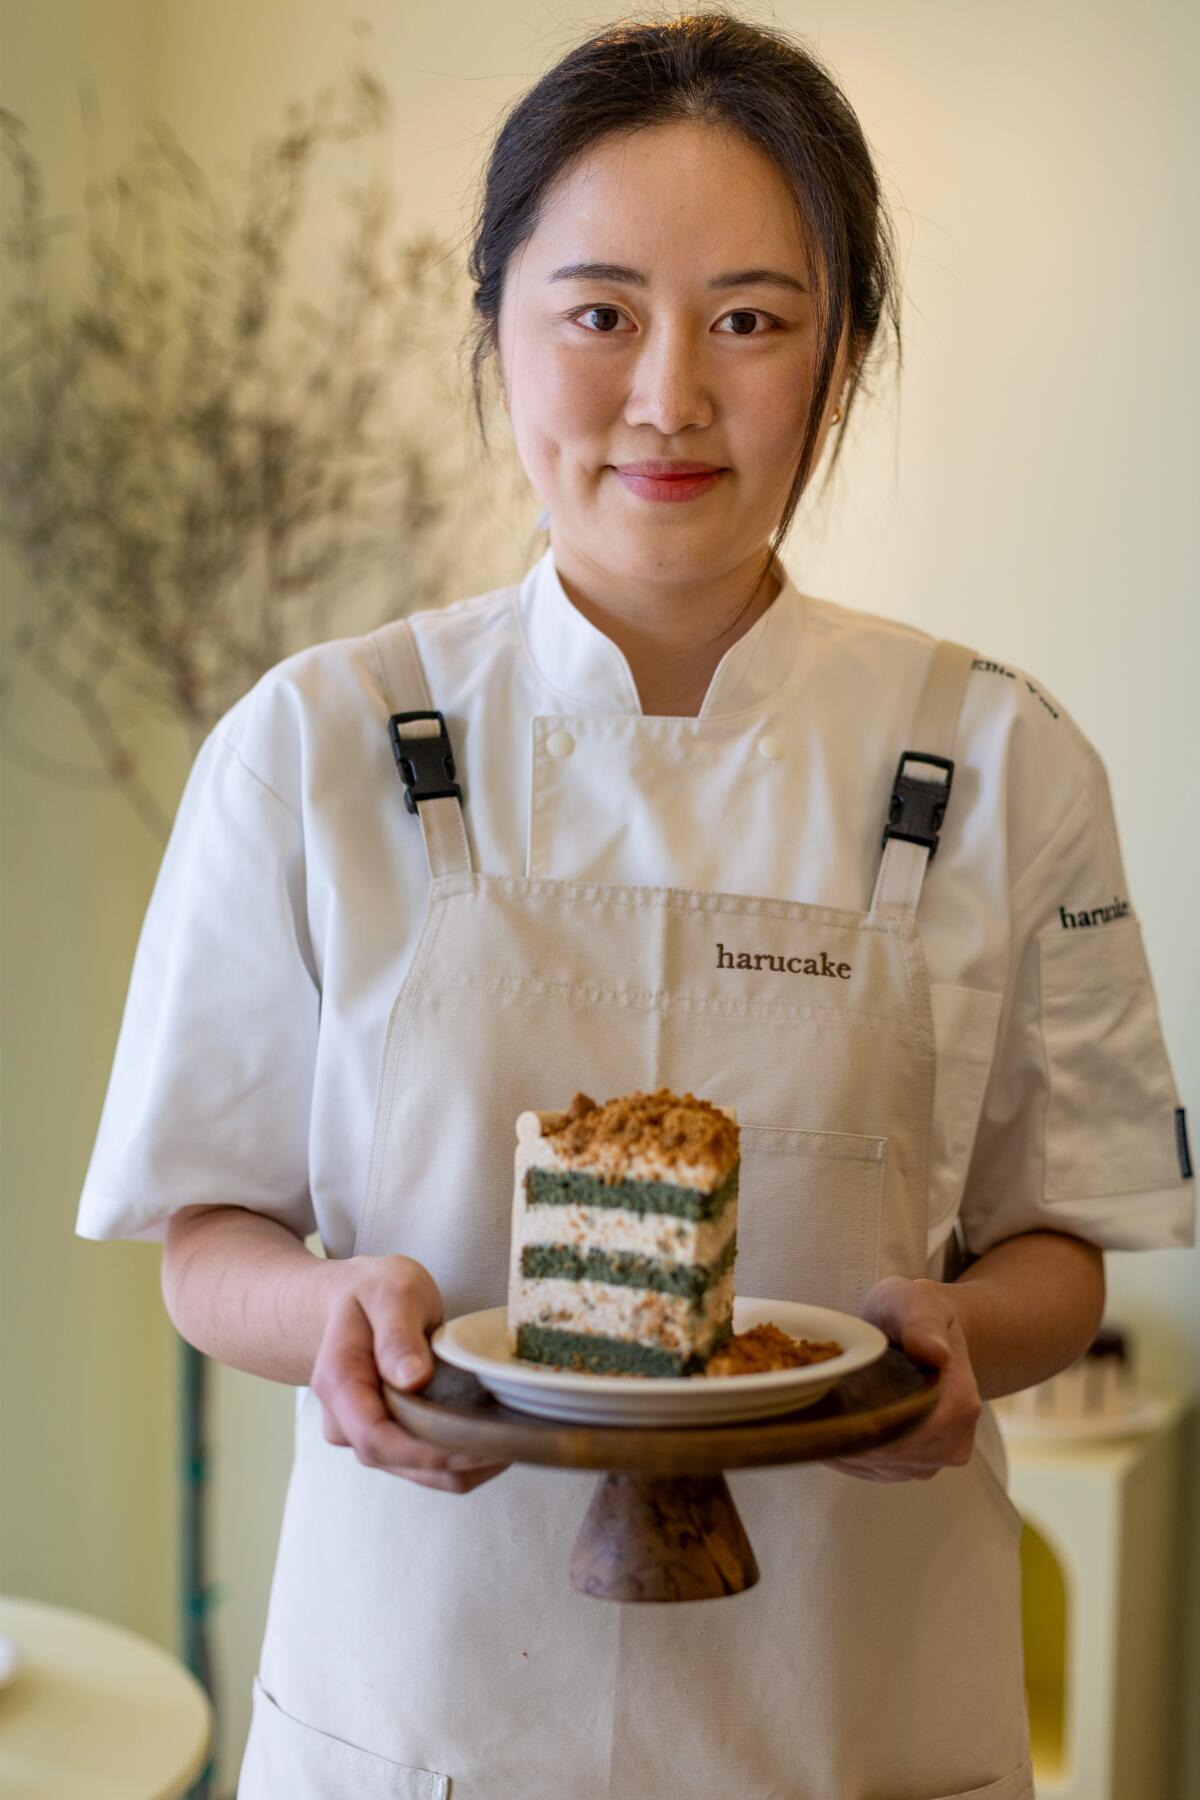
742, 322
608, 315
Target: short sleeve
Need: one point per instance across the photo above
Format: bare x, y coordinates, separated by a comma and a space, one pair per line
209, 1097
1082, 1130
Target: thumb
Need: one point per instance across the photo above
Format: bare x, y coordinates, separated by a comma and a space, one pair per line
905, 1311
411, 1368
928, 1344
402, 1352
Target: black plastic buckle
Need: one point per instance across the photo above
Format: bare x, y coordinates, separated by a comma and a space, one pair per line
918, 807
426, 764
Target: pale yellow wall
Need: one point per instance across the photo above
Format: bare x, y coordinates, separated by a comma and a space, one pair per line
1039, 162
87, 1368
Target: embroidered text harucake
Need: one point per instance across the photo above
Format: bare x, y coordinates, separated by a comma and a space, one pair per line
790, 965
1096, 915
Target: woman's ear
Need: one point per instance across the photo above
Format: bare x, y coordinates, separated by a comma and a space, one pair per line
499, 362
502, 385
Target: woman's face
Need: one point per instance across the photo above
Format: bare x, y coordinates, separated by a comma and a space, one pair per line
690, 335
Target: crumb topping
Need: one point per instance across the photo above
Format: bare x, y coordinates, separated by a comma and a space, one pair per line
766, 1347
659, 1127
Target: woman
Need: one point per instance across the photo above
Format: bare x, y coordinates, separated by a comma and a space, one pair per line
674, 773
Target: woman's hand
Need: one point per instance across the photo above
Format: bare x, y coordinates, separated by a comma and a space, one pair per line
377, 1325
922, 1317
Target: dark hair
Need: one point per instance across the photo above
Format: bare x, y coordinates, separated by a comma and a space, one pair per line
720, 70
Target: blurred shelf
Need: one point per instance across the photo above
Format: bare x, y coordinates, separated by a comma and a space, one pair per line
1099, 1561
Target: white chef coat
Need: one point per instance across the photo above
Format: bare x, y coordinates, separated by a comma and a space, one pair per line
291, 894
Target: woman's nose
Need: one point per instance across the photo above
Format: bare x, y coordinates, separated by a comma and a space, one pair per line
670, 387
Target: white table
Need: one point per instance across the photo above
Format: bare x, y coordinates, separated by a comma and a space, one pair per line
96, 1712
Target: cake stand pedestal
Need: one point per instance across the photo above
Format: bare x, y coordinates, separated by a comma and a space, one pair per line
662, 1524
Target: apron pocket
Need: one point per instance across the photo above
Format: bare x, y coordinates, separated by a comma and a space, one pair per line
809, 1210
1017, 1786
285, 1757
965, 1021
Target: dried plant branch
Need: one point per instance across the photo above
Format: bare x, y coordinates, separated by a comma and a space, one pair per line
205, 459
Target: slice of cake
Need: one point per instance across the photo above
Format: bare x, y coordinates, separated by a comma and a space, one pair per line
624, 1234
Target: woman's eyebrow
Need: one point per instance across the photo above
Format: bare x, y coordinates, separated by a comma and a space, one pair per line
602, 271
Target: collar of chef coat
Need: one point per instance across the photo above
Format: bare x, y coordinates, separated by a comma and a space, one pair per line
577, 659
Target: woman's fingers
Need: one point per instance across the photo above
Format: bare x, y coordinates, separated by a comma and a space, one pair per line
346, 1381
920, 1316
382, 1320
944, 1440
404, 1306
869, 1470
455, 1482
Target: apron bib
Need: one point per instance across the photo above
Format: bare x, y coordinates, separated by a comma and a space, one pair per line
425, 1644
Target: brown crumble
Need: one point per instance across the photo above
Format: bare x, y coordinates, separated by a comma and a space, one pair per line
661, 1124
766, 1347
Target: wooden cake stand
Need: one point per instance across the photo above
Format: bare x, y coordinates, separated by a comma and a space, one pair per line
662, 1524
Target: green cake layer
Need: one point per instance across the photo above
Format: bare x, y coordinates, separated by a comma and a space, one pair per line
626, 1268
571, 1187
608, 1356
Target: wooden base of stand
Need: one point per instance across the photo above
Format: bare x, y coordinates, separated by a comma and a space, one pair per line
662, 1524
646, 1537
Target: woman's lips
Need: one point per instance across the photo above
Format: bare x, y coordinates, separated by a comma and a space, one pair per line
668, 487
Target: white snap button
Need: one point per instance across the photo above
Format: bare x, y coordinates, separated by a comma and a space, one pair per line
771, 748
560, 743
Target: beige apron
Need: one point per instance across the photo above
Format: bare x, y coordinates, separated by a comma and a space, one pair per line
425, 1644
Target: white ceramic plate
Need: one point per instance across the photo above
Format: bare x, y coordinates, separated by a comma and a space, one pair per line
478, 1342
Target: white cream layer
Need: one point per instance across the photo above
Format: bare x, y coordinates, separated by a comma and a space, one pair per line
638, 1315
584, 1228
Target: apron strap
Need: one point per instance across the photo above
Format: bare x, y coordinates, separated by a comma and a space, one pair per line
921, 790
430, 789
